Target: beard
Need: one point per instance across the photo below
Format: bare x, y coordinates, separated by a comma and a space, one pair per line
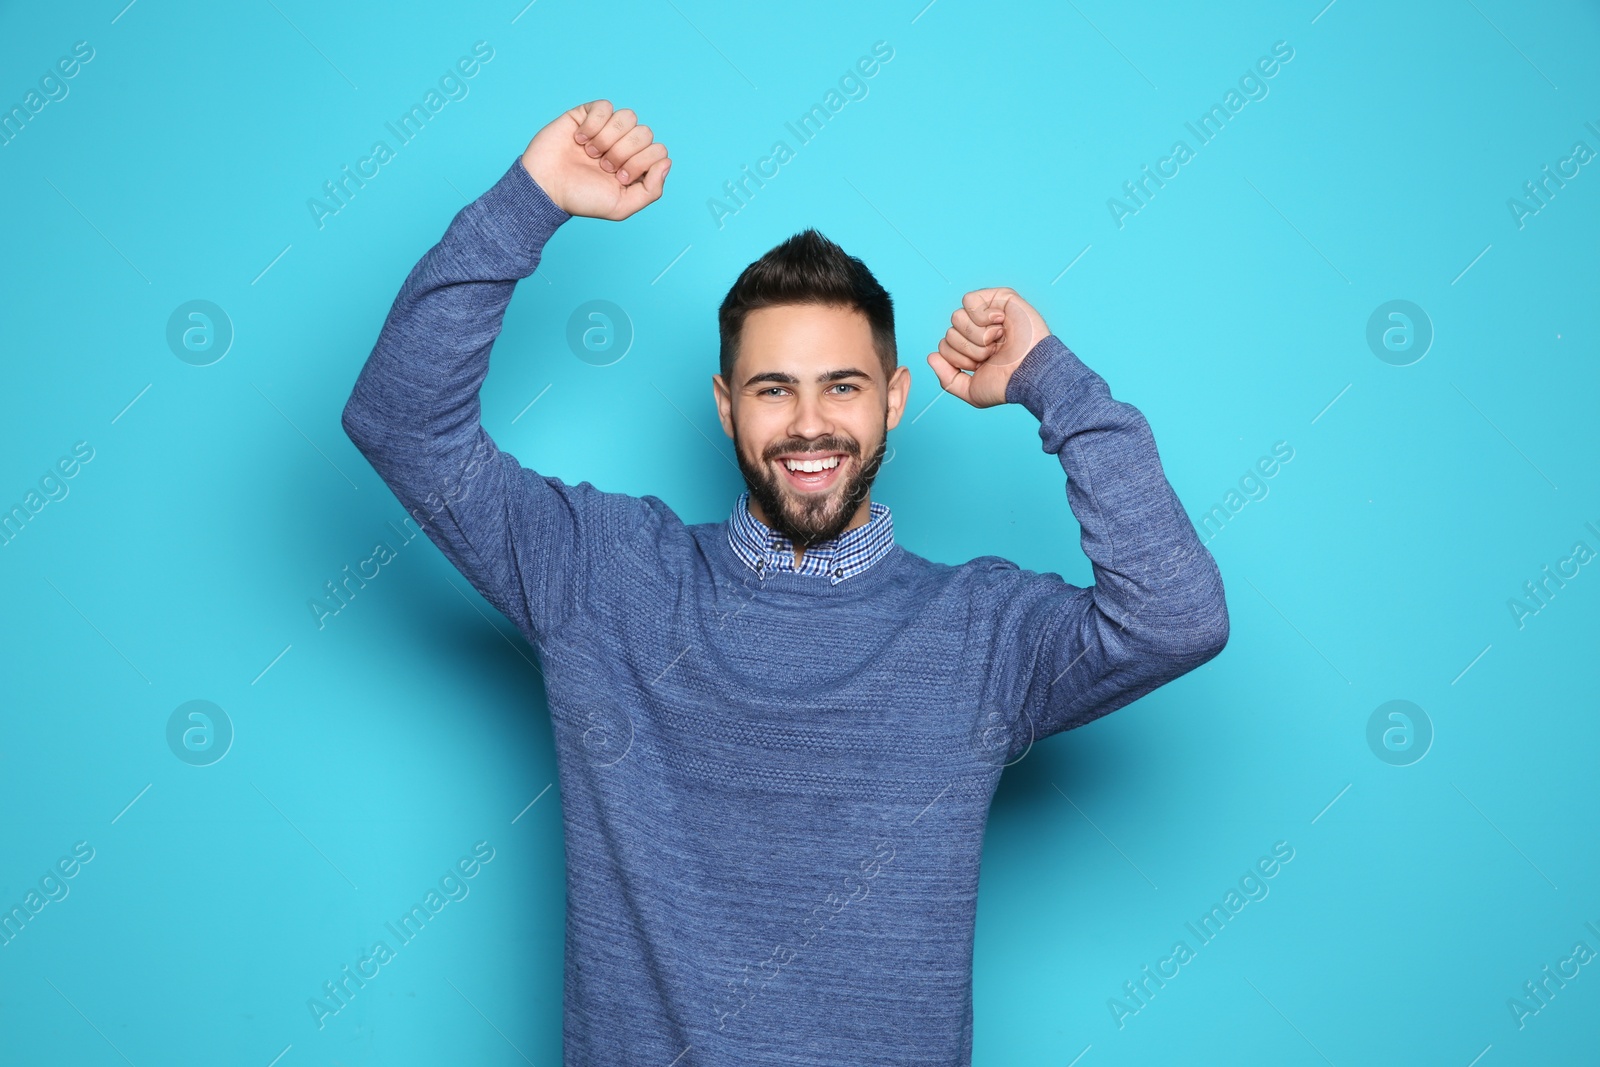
812, 518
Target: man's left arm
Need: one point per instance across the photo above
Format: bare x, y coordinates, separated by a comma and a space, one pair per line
1064, 655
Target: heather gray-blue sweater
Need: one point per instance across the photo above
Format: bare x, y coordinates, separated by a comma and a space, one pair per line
774, 790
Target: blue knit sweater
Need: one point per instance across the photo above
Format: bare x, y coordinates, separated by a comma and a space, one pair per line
774, 789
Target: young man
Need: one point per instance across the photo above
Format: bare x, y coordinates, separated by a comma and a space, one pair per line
777, 736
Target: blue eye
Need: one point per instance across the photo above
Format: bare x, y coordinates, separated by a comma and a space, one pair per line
771, 389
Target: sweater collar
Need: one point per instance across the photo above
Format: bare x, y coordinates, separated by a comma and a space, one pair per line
767, 552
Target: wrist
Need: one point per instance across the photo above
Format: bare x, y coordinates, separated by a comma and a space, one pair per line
520, 211
542, 180
1038, 331
1045, 375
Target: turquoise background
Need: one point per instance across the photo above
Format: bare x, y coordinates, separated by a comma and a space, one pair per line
370, 755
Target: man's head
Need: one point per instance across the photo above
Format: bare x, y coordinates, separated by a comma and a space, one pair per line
809, 373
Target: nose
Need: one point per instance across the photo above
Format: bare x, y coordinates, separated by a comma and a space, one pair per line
810, 419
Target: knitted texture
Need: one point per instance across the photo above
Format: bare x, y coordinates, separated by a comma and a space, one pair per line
774, 789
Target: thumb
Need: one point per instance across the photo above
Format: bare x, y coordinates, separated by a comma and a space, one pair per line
640, 194
655, 178
951, 377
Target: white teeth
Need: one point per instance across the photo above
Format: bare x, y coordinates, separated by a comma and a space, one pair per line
812, 465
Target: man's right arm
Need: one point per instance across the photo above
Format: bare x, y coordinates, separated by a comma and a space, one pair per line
530, 544
414, 413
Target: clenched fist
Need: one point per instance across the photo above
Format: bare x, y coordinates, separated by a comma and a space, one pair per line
598, 162
989, 334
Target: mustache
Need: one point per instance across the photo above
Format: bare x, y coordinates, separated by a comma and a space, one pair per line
825, 445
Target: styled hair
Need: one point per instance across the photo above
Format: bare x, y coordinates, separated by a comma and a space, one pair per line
807, 269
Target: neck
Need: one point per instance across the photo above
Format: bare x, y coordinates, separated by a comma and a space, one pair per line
862, 516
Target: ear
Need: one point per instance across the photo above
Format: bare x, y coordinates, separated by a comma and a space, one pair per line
899, 392
724, 399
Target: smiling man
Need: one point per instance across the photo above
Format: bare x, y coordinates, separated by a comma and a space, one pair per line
777, 736
818, 391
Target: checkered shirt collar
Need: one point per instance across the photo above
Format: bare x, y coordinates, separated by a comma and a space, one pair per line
766, 551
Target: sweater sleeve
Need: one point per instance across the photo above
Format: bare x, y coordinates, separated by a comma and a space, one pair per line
530, 544
1062, 655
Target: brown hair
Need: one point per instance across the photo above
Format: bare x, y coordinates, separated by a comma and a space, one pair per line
807, 269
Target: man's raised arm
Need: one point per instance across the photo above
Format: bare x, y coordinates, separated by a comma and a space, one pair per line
527, 542
1062, 655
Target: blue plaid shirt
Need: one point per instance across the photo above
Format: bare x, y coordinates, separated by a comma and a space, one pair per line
765, 551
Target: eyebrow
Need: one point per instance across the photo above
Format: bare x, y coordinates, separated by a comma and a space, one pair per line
783, 378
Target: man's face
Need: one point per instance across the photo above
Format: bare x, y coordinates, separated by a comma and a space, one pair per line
808, 387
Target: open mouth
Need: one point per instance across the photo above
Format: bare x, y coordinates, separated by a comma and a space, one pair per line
814, 472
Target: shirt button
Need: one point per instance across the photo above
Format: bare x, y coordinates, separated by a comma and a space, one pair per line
839, 572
